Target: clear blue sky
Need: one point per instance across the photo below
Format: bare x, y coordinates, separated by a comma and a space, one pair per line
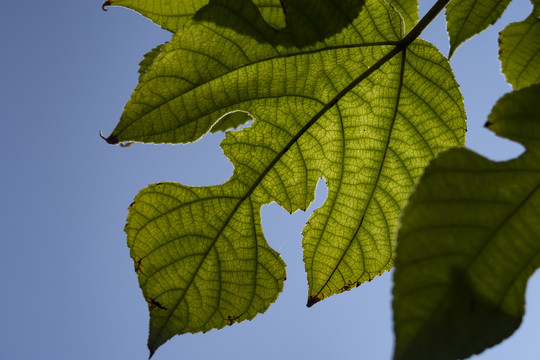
69, 290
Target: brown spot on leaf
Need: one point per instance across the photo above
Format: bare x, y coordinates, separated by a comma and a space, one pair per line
233, 319
137, 263
312, 300
153, 304
349, 286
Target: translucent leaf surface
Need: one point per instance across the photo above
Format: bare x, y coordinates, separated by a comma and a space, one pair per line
345, 99
466, 18
201, 258
520, 50
148, 60
469, 240
173, 14
408, 10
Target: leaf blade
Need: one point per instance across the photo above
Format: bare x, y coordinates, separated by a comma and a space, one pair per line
468, 243
208, 280
470, 17
368, 245
519, 50
331, 121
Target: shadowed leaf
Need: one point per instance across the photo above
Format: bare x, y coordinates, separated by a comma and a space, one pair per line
172, 15
469, 241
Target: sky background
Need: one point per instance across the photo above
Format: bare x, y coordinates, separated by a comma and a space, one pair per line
69, 290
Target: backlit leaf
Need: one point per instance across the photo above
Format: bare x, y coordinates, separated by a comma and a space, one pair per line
231, 121
148, 60
469, 241
344, 99
520, 50
466, 18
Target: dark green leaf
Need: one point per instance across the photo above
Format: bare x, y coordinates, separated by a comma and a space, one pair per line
469, 240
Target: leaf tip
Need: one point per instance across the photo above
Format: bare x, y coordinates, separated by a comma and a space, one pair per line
152, 347
105, 4
111, 140
312, 300
451, 52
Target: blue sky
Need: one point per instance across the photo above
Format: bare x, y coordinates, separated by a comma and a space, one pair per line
69, 290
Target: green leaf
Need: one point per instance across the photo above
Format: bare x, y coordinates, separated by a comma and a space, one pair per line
466, 18
201, 258
519, 50
468, 242
346, 100
183, 78
172, 15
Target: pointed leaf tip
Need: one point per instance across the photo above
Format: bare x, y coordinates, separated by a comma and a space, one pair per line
312, 301
111, 140
105, 4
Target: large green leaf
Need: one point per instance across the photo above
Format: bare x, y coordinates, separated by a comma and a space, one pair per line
466, 18
361, 108
520, 50
173, 14
469, 240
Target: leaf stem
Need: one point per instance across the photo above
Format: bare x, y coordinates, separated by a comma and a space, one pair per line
423, 23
